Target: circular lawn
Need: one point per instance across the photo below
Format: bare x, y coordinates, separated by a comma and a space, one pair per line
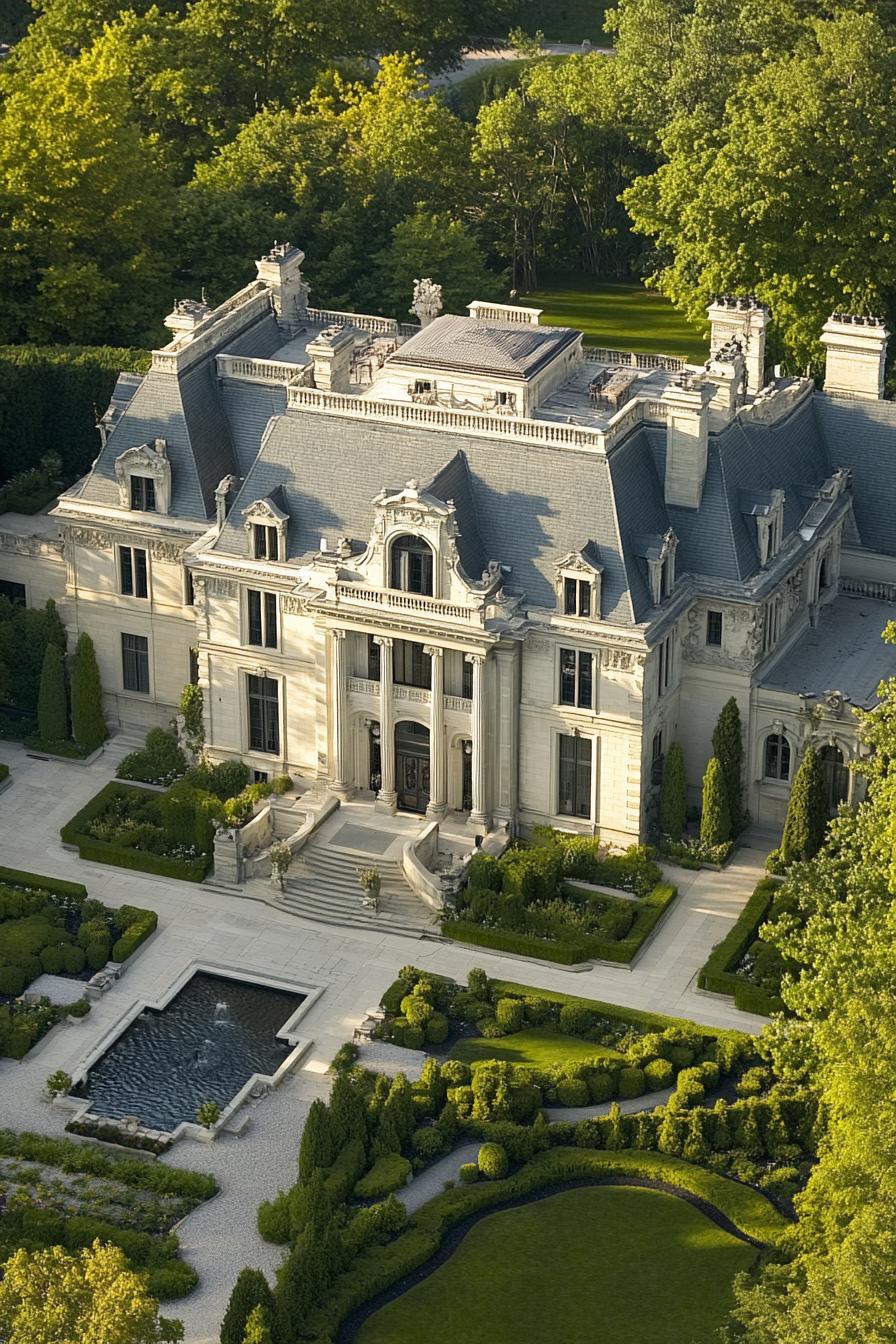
587, 1266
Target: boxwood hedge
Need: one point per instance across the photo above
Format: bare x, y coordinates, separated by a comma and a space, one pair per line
74, 833
718, 975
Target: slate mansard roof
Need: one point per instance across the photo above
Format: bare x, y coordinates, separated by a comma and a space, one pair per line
527, 505
460, 345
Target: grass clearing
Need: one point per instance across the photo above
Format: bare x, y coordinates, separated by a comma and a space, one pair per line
618, 314
538, 1048
568, 21
606, 1263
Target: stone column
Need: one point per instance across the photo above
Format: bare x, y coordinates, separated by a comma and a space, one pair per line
479, 819
386, 799
340, 781
507, 668
438, 758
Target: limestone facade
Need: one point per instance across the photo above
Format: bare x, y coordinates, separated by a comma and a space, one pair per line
471, 566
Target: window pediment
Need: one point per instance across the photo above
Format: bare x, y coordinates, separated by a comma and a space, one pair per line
265, 514
147, 459
578, 583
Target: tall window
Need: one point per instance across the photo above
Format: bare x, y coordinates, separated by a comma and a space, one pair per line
411, 566
14, 592
576, 597
714, 628
264, 715
664, 666
466, 680
266, 542
262, 613
132, 570
135, 663
373, 659
576, 681
771, 624
777, 757
574, 791
411, 666
656, 759
189, 590
143, 494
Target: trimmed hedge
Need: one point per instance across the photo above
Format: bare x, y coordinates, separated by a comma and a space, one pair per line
73, 833
717, 975
388, 1173
648, 911
381, 1267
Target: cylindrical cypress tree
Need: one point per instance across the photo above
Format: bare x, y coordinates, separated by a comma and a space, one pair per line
88, 723
251, 1290
673, 793
715, 823
807, 811
316, 1148
52, 715
728, 746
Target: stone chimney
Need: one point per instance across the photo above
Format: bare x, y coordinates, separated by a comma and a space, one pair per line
281, 270
744, 320
332, 350
726, 375
186, 315
687, 430
856, 351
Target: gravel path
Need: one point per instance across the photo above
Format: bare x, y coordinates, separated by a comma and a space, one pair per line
628, 1106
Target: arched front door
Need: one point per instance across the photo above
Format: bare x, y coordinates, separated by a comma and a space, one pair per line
412, 766
836, 777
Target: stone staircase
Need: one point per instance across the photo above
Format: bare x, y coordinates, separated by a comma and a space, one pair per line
323, 885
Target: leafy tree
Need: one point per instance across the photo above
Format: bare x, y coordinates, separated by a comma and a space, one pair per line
25, 633
514, 183
54, 1297
761, 196
88, 723
715, 821
317, 1146
673, 793
52, 712
807, 811
728, 746
251, 1293
439, 247
191, 707
348, 1111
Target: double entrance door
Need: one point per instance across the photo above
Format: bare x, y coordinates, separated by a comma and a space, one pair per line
412, 766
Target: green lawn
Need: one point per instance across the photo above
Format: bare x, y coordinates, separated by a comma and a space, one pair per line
619, 314
585, 1266
537, 1047
567, 21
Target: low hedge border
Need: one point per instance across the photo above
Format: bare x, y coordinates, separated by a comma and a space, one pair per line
72, 833
650, 909
142, 922
384, 1266
15, 877
717, 975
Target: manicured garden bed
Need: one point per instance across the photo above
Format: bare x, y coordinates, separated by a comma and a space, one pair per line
552, 1269
537, 1048
47, 925
61, 1193
526, 901
116, 824
742, 965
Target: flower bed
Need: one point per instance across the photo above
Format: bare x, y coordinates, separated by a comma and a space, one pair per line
123, 825
47, 925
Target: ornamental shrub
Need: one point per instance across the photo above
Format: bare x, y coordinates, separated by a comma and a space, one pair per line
673, 793
160, 761
317, 1148
469, 1173
715, 821
273, 1219
509, 1013
538, 1011
97, 954
251, 1290
427, 1142
88, 724
456, 1072
807, 812
728, 748
74, 959
51, 960
492, 1162
631, 1082
658, 1074
576, 1019
52, 717
601, 1086
573, 1092
191, 705
437, 1029
478, 983
388, 1173
12, 980
484, 873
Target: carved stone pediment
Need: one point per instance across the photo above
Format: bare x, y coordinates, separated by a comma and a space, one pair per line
147, 459
266, 513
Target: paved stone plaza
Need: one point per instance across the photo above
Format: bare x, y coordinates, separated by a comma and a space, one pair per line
352, 965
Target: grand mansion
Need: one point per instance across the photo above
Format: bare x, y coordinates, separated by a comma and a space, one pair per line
468, 565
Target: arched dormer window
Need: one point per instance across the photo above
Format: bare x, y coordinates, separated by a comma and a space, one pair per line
777, 757
411, 565
144, 478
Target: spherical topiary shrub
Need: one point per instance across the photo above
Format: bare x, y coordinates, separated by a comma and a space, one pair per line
576, 1019
573, 1092
427, 1142
74, 959
469, 1173
437, 1029
97, 955
631, 1082
509, 1013
12, 980
456, 1073
417, 1010
492, 1162
51, 960
601, 1086
413, 1038
659, 1073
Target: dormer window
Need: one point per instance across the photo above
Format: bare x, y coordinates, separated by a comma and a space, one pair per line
661, 566
579, 583
266, 542
143, 494
576, 597
411, 566
770, 527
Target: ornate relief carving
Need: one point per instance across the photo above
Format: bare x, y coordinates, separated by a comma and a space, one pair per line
14, 544
168, 551
221, 588
91, 539
292, 606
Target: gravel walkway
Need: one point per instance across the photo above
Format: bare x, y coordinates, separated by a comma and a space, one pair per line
431, 1182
